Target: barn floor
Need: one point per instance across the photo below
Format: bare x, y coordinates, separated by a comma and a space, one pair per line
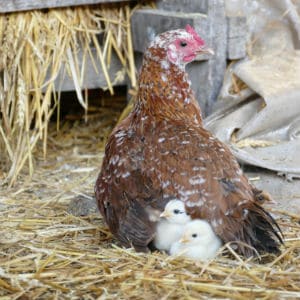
48, 250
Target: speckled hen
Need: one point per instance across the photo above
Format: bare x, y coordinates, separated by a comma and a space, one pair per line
161, 152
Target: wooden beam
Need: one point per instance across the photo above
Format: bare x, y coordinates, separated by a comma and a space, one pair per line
188, 6
21, 5
237, 37
91, 80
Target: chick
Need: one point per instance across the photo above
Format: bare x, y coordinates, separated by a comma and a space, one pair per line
198, 241
170, 226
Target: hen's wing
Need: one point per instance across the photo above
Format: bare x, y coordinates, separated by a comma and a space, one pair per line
126, 195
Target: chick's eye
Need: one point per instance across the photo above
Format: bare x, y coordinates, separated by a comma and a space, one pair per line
176, 211
194, 235
183, 44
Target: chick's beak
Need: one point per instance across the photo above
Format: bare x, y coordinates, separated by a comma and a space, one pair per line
184, 240
165, 214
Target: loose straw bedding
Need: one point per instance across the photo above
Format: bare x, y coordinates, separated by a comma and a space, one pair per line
37, 46
48, 253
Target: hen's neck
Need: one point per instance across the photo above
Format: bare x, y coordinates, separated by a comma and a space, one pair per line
165, 92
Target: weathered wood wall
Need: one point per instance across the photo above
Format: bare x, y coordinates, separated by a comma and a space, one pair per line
20, 5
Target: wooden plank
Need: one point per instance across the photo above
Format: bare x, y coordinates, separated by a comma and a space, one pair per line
237, 37
188, 6
91, 79
21, 5
218, 41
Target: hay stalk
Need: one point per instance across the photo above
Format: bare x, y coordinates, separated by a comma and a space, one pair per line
36, 47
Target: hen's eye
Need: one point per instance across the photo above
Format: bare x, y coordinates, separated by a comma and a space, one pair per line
183, 44
194, 235
176, 211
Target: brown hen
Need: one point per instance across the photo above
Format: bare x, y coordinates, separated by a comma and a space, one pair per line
161, 152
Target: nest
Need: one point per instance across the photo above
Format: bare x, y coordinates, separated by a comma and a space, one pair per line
49, 253
37, 46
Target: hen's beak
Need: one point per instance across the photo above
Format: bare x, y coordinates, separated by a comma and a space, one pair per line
206, 50
165, 214
184, 240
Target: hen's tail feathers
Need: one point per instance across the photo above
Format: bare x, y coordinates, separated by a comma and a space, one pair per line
262, 232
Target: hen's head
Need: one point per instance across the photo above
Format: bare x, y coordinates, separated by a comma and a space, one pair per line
179, 46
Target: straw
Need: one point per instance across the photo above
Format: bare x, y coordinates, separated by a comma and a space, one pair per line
48, 253
37, 46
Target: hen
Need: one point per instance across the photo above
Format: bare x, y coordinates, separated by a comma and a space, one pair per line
161, 152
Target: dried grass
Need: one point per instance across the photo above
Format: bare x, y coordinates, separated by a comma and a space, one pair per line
34, 47
254, 143
47, 253
237, 85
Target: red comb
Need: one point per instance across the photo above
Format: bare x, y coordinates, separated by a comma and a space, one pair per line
193, 32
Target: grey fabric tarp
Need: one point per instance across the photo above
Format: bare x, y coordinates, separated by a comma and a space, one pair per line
261, 123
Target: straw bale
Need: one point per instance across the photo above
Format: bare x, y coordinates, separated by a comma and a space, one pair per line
35, 47
49, 253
